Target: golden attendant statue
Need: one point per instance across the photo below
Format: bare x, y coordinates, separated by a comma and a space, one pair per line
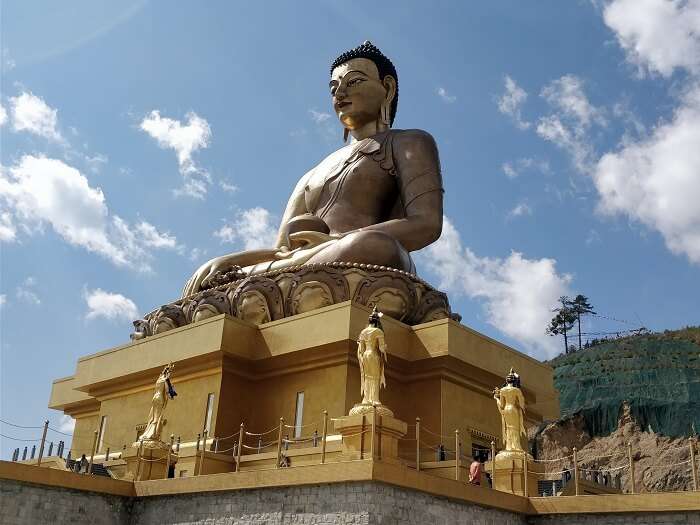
163, 391
371, 356
511, 405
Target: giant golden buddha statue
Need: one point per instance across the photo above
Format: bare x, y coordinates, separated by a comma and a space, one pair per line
350, 223
372, 201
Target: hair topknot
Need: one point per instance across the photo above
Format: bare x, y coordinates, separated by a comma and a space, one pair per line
371, 52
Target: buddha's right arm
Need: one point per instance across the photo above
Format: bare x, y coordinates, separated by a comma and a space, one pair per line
295, 206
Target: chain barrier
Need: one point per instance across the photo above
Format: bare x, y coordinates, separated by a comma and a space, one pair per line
357, 434
603, 470
543, 474
435, 434
671, 465
443, 453
273, 429
299, 440
553, 460
314, 423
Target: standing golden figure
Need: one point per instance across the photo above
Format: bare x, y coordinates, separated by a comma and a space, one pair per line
371, 356
164, 390
511, 405
372, 201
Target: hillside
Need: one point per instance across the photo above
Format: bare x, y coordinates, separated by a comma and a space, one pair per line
658, 375
661, 462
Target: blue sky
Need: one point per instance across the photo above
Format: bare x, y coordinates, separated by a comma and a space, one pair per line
140, 139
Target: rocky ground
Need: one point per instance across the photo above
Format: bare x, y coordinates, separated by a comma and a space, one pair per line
656, 457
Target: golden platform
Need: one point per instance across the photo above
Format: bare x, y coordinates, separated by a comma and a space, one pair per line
229, 371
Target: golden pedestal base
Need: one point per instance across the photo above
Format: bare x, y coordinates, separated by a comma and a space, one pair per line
150, 464
357, 434
510, 473
213, 463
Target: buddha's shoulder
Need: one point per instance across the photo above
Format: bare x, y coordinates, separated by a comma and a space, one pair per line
412, 138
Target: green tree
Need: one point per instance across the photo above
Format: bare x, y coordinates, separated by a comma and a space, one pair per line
562, 322
580, 306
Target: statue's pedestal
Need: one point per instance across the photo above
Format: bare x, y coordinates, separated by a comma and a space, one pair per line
435, 371
511, 473
150, 463
358, 431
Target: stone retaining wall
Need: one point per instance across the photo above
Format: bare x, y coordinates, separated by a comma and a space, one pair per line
352, 503
26, 503
363, 503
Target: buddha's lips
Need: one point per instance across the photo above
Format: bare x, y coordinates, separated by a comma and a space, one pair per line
341, 105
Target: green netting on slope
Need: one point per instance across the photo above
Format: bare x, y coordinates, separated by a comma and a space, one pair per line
659, 376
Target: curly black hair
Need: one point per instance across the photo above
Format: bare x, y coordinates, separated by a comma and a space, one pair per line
369, 51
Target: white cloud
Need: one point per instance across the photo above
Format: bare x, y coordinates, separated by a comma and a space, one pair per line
28, 296
196, 254
8, 232
3, 300
657, 35
319, 116
95, 162
593, 237
39, 191
514, 169
3, 116
66, 424
253, 227
112, 306
445, 96
8, 63
517, 293
509, 170
657, 180
511, 101
185, 140
573, 117
566, 94
326, 126
520, 210
151, 237
228, 187
30, 113
25, 292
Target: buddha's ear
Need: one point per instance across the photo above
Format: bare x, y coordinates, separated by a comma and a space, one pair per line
389, 84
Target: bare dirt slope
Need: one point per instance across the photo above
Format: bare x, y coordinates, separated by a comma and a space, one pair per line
656, 457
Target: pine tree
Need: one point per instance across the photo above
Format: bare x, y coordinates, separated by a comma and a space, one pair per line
562, 322
580, 306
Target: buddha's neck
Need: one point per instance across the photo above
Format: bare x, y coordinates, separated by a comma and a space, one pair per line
368, 130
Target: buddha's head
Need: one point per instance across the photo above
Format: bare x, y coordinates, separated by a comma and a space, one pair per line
364, 86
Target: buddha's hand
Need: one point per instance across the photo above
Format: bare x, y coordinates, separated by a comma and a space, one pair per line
205, 272
308, 239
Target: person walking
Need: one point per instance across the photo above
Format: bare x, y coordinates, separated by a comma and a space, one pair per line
475, 471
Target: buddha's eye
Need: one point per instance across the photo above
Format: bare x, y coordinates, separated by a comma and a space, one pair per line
355, 81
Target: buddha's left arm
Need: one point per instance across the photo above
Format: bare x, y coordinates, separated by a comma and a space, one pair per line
420, 184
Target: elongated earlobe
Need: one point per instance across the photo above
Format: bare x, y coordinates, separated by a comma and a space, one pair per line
386, 113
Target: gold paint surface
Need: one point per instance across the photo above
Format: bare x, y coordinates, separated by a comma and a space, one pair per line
441, 371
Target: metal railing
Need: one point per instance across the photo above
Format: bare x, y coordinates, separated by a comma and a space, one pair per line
275, 443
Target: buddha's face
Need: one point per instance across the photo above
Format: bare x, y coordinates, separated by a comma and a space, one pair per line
358, 92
